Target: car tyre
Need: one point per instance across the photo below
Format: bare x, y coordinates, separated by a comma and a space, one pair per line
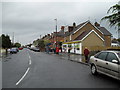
93, 69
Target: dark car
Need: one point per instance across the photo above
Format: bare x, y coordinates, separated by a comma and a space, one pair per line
13, 50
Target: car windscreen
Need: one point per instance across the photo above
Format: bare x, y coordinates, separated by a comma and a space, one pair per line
118, 55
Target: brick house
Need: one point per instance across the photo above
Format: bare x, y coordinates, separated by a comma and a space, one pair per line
86, 34
59, 37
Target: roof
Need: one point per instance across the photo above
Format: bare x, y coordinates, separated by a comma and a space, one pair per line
83, 35
76, 28
104, 31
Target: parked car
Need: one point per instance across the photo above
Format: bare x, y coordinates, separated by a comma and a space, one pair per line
106, 62
20, 48
36, 49
13, 50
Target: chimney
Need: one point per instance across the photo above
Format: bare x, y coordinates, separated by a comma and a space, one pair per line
70, 28
97, 24
48, 35
62, 27
74, 24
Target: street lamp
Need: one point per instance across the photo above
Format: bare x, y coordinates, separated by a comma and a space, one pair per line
65, 27
56, 30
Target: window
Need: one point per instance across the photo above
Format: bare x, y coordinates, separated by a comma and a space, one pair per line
70, 37
102, 55
111, 56
97, 55
118, 55
65, 46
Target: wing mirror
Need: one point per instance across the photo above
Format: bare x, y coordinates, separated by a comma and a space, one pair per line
115, 61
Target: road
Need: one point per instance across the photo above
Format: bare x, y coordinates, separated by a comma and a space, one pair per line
29, 69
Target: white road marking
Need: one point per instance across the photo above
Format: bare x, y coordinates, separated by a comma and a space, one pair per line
23, 76
29, 59
29, 62
26, 71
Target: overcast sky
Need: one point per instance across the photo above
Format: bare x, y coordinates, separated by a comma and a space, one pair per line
29, 20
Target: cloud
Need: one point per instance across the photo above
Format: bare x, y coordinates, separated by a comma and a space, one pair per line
31, 19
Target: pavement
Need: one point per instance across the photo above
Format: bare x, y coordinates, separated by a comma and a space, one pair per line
2, 54
72, 57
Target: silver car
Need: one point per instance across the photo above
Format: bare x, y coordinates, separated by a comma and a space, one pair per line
106, 62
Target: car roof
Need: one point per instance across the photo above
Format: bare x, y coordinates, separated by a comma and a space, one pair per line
115, 51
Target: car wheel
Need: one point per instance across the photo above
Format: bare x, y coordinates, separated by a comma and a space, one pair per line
93, 70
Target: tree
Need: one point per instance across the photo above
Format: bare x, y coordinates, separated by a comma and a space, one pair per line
6, 42
119, 40
114, 18
41, 43
17, 44
35, 42
46, 42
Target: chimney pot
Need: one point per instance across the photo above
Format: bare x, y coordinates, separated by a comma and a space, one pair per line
97, 24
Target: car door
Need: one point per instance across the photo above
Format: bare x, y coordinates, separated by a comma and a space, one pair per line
118, 54
100, 61
112, 68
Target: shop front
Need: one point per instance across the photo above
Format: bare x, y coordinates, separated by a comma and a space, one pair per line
75, 46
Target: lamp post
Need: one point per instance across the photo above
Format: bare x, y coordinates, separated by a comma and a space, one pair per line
65, 27
56, 30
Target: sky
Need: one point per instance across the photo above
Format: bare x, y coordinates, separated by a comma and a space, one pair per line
28, 20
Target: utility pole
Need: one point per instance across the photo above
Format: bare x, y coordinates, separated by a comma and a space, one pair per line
56, 30
13, 38
40, 36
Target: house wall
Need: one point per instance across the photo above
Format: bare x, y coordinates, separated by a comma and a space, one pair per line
87, 27
107, 40
92, 40
67, 39
59, 39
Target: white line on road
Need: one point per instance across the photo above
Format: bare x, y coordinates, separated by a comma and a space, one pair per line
29, 62
23, 76
29, 59
26, 71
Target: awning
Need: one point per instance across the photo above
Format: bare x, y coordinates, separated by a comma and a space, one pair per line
72, 42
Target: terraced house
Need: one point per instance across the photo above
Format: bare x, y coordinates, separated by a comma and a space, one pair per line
85, 34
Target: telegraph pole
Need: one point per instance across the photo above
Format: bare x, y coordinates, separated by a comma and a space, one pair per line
56, 30
13, 38
40, 36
